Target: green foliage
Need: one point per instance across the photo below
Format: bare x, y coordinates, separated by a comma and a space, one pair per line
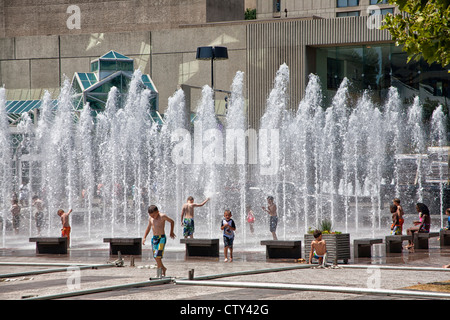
424, 31
250, 14
324, 226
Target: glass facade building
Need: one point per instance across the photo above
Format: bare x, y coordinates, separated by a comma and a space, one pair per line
379, 66
110, 70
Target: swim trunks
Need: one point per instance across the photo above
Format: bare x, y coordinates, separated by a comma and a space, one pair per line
396, 230
273, 223
228, 242
188, 227
39, 216
158, 244
317, 256
65, 232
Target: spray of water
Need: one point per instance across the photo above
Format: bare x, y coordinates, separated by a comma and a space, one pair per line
339, 162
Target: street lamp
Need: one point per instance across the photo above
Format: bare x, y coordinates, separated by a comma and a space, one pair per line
212, 53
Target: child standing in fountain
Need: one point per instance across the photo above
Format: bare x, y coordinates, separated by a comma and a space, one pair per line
15, 211
228, 226
400, 213
65, 231
157, 222
272, 211
187, 216
318, 249
395, 226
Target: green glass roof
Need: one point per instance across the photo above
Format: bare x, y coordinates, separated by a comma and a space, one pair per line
21, 106
114, 55
87, 79
15, 108
147, 82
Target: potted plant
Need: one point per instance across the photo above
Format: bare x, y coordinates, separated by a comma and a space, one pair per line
338, 243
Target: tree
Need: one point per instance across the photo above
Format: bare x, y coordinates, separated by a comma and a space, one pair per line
250, 14
423, 28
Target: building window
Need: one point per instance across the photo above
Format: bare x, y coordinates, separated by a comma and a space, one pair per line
381, 2
377, 67
276, 5
382, 11
347, 3
347, 14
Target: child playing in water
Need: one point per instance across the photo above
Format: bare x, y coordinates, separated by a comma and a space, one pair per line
318, 249
65, 231
272, 211
447, 213
187, 216
395, 227
250, 218
228, 226
400, 213
15, 211
156, 222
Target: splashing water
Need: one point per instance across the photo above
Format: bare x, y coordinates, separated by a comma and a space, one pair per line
340, 162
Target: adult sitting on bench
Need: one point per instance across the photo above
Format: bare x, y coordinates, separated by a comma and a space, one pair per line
421, 225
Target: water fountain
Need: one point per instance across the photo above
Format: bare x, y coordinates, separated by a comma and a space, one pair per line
341, 162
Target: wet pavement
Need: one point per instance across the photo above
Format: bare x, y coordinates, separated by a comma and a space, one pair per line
136, 269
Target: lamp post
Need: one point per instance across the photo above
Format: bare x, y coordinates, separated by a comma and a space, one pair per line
212, 53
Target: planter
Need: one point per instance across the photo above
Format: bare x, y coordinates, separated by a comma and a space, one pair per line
338, 246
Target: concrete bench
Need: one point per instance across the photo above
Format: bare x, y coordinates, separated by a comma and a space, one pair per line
444, 238
51, 245
201, 247
394, 243
130, 246
283, 249
421, 239
362, 248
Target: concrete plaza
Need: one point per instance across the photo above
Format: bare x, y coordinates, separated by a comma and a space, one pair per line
247, 269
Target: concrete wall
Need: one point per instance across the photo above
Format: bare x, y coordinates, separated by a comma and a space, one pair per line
29, 65
49, 17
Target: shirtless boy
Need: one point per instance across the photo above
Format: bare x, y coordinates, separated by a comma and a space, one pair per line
156, 222
65, 231
187, 216
272, 211
318, 248
400, 213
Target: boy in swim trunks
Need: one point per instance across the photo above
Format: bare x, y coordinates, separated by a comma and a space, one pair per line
318, 249
400, 213
65, 231
156, 222
396, 228
187, 216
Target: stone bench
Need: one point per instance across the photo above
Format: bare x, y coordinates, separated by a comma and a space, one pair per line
130, 246
421, 239
201, 247
283, 249
362, 248
394, 243
444, 238
51, 245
